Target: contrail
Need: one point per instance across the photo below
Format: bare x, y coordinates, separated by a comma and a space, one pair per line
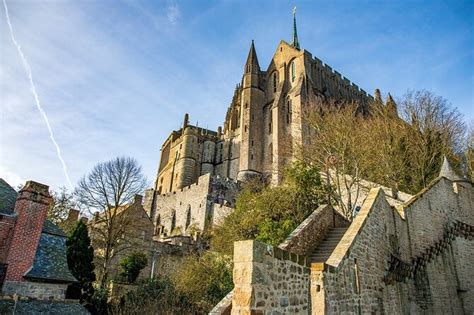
35, 94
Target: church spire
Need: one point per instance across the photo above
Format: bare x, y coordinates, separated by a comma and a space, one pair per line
295, 43
252, 66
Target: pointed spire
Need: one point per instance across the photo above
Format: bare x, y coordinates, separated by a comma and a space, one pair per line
295, 43
377, 96
252, 66
391, 105
448, 172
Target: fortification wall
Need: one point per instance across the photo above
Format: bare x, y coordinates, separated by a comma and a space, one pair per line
172, 208
194, 207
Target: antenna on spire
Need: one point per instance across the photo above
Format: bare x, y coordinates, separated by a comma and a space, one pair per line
295, 42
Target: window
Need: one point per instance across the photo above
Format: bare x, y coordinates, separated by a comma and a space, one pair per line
245, 128
270, 120
270, 152
289, 111
188, 217
293, 71
251, 156
246, 105
251, 143
274, 82
173, 222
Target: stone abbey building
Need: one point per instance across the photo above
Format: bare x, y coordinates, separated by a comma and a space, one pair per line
199, 169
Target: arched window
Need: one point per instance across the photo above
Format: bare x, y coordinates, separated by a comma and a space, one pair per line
289, 111
293, 71
270, 152
274, 82
270, 121
188, 216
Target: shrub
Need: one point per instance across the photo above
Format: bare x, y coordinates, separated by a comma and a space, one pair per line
132, 265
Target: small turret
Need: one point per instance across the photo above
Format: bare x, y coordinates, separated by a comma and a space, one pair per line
448, 172
185, 121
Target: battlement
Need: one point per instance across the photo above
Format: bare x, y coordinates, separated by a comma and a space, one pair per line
341, 79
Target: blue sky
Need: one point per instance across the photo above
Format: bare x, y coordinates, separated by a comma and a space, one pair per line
115, 77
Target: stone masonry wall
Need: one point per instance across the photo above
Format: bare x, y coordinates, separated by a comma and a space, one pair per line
361, 277
41, 291
196, 206
268, 279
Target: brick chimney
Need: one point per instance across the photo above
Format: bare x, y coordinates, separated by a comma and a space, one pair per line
31, 207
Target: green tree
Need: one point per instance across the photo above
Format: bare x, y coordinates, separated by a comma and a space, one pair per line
132, 265
80, 255
270, 214
204, 279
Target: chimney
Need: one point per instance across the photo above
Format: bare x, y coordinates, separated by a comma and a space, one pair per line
31, 207
138, 199
73, 215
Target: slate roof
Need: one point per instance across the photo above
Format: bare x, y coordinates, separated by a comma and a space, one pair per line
50, 264
7, 197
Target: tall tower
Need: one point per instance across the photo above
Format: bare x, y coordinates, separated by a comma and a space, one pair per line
251, 119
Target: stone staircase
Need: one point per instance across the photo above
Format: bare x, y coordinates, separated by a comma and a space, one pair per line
322, 252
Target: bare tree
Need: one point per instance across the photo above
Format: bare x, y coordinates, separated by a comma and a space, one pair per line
339, 148
58, 213
106, 189
350, 144
435, 129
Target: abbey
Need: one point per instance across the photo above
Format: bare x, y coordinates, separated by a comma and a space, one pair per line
263, 124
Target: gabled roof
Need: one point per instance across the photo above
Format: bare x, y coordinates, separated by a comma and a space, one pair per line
7, 197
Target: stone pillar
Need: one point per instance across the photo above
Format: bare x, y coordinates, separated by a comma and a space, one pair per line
31, 207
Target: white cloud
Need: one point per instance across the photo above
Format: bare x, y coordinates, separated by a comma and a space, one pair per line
11, 178
172, 12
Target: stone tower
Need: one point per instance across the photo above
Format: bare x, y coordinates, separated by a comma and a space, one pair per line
252, 100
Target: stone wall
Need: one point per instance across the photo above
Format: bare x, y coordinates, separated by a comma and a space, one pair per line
25, 306
417, 259
269, 279
419, 262
195, 207
39, 290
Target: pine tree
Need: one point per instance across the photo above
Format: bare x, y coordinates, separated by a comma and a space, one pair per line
80, 255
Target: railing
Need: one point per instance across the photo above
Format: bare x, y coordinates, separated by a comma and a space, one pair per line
399, 270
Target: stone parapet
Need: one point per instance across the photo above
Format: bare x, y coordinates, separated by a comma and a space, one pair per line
269, 279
